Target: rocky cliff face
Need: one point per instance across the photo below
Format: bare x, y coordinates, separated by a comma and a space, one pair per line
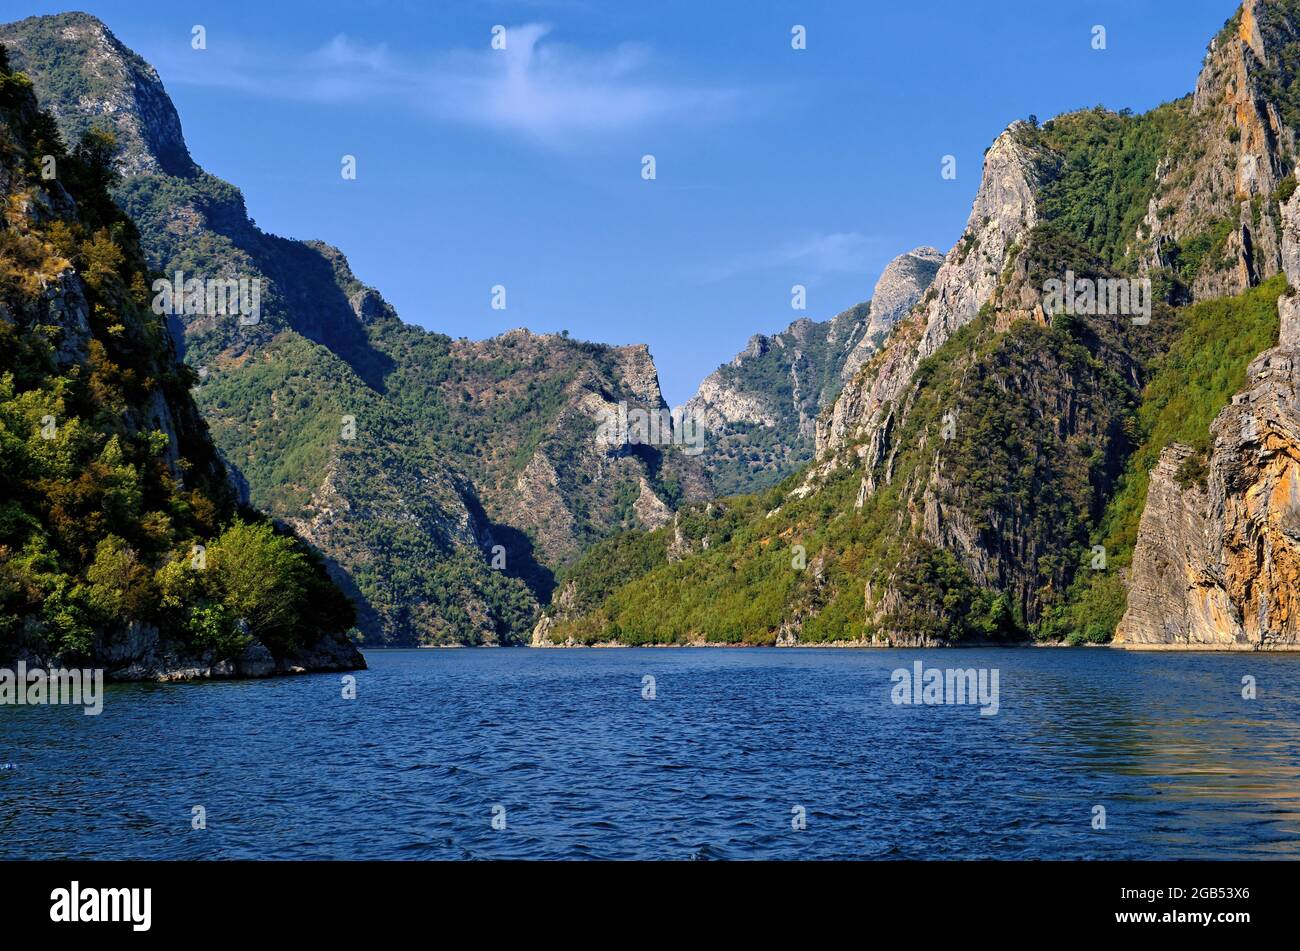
549, 474
443, 480
1217, 564
1219, 193
966, 469
901, 285
1242, 147
1004, 212
91, 80
760, 410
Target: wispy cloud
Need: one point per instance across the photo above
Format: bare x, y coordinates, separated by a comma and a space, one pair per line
547, 90
815, 256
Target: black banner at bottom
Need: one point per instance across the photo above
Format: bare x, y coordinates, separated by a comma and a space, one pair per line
336, 899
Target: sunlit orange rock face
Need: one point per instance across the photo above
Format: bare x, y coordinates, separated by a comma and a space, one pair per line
1262, 537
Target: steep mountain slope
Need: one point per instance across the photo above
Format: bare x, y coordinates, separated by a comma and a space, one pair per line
965, 473
1218, 195
760, 410
407, 457
120, 545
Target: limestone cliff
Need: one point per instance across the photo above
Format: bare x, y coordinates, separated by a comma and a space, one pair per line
1241, 148
1212, 227
901, 285
1004, 211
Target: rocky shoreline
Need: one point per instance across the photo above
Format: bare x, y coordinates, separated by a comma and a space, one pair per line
140, 655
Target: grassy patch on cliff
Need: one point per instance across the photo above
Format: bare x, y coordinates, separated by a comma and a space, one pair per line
1192, 383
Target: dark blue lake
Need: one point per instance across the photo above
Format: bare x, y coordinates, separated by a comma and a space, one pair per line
563, 747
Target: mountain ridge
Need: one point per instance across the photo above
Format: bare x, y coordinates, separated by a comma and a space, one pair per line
760, 409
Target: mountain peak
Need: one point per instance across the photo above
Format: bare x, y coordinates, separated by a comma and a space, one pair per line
899, 287
82, 62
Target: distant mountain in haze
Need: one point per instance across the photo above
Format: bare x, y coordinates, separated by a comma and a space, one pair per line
760, 410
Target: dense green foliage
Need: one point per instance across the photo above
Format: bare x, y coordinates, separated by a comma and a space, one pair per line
114, 508
1005, 462
983, 534
326, 349
1101, 181
1107, 172
1282, 70
1009, 463
608, 565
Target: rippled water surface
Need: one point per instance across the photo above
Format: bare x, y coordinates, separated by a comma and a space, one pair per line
712, 767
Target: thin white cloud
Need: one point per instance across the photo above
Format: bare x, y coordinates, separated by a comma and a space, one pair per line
536, 86
342, 52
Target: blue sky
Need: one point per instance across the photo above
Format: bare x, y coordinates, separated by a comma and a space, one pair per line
522, 168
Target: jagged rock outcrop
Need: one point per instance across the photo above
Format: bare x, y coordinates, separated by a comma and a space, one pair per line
109, 83
759, 410
1005, 210
900, 286
1220, 193
1242, 149
572, 487
1217, 565
560, 608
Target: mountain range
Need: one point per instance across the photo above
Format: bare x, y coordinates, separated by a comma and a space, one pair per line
1003, 470
462, 454
760, 410
960, 458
